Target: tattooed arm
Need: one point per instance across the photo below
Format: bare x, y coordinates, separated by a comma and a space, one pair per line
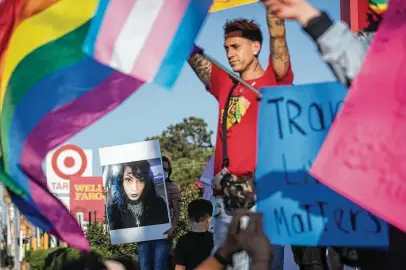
202, 67
279, 49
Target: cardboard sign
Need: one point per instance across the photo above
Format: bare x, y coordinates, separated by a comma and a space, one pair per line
364, 155
298, 210
136, 197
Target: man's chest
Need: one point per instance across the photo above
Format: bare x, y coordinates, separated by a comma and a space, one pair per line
243, 103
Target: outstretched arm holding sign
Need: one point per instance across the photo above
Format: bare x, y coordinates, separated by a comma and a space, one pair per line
343, 50
201, 66
279, 51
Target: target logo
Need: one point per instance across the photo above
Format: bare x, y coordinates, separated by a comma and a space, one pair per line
69, 160
64, 163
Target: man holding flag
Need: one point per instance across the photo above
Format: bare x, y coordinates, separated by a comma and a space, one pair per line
238, 110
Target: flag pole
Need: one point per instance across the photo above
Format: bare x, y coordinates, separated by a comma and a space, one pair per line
235, 77
16, 239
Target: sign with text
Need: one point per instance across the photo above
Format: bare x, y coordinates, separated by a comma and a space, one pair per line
63, 163
225, 4
364, 155
86, 195
298, 210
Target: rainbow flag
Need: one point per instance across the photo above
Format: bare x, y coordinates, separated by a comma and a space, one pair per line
378, 6
8, 21
146, 39
49, 91
13, 12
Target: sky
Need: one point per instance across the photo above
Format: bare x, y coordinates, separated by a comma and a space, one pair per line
151, 109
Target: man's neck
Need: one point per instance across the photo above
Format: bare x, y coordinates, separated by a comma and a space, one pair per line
198, 227
253, 71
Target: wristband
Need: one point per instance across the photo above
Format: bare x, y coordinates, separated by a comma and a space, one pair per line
196, 49
318, 26
223, 260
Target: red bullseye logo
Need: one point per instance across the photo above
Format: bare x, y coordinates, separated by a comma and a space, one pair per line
68, 161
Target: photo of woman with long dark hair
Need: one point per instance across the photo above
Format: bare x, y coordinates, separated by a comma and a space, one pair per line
135, 202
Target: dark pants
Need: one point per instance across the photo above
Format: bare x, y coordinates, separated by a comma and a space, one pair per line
335, 260
153, 255
310, 258
397, 249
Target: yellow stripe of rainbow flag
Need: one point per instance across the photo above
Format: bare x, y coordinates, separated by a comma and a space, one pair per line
33, 30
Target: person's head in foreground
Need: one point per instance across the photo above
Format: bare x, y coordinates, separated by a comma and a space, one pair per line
135, 181
94, 261
242, 42
199, 213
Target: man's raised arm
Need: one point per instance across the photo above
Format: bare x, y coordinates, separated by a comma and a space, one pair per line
201, 66
279, 49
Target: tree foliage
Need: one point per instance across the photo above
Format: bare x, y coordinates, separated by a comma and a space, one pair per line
99, 240
188, 145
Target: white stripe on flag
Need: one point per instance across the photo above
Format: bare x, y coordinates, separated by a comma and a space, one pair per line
134, 34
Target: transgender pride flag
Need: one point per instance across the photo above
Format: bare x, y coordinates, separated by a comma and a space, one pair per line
146, 39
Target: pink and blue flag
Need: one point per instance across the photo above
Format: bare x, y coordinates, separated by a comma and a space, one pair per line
146, 39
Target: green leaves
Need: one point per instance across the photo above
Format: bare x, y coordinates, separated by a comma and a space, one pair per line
99, 240
188, 145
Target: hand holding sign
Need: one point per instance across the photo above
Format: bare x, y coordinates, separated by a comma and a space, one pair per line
299, 10
253, 240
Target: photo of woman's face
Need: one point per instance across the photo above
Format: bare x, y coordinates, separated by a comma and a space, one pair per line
133, 186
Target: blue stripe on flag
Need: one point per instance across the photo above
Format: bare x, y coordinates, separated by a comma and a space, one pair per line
182, 44
90, 42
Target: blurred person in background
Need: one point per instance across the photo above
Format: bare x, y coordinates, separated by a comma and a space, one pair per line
344, 52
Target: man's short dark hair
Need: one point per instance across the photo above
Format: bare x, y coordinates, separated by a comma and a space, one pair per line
198, 210
249, 29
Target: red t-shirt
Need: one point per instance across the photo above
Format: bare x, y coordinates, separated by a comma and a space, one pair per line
242, 119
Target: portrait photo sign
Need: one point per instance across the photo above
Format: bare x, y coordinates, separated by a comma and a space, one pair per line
136, 199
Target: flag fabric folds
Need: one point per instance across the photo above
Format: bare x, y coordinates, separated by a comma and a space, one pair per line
146, 39
49, 91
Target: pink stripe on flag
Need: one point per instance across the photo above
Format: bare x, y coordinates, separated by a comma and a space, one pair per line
115, 17
160, 38
57, 127
59, 216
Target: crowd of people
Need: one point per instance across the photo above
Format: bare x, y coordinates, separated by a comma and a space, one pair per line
238, 240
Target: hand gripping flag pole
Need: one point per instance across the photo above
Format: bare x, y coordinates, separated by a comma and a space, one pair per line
234, 76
